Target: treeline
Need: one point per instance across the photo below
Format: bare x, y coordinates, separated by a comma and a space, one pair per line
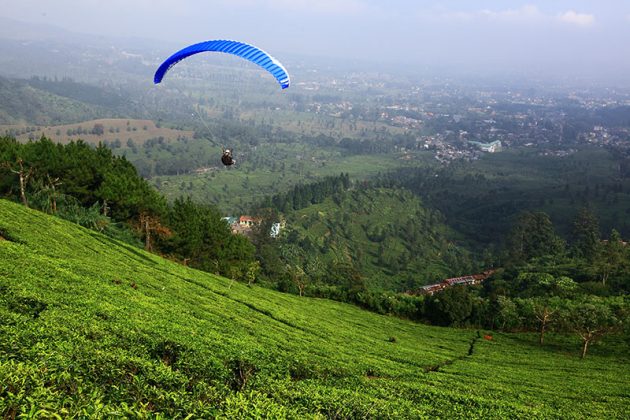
89, 94
303, 195
561, 307
515, 300
481, 199
21, 102
99, 190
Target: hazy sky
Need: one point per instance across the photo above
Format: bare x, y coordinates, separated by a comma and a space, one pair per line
556, 36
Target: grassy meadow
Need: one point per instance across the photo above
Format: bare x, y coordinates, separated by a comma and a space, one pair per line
91, 327
121, 129
273, 169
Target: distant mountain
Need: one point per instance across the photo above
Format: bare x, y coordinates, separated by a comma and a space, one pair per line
11, 29
25, 31
43, 101
28, 49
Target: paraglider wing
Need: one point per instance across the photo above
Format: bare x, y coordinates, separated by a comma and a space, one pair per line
240, 49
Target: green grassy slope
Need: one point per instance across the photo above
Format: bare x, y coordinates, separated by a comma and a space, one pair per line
92, 327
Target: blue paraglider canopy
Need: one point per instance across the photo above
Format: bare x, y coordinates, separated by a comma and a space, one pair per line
240, 49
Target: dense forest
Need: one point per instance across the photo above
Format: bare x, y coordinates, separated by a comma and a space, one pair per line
483, 198
384, 237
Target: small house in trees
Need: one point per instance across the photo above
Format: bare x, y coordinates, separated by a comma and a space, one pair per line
247, 221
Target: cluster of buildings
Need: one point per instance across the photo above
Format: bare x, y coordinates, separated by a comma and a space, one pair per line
492, 147
244, 225
473, 279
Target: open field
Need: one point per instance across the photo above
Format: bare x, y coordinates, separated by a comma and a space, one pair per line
92, 327
238, 188
121, 129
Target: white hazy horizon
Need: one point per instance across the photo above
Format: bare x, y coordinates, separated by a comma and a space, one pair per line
569, 38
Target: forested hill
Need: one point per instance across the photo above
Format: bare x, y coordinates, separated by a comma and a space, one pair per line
483, 198
386, 236
92, 327
25, 104
38, 102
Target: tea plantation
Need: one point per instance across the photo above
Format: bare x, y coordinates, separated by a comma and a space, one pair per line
90, 327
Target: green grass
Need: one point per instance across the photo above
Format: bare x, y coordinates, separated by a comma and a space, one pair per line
90, 327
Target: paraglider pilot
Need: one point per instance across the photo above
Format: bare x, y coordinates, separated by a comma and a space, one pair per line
227, 158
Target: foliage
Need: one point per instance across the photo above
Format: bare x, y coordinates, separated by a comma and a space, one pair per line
593, 318
23, 102
482, 198
453, 307
533, 236
384, 239
585, 235
302, 196
205, 241
92, 187
87, 174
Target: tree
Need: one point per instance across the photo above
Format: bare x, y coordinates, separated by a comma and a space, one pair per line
98, 129
507, 313
298, 277
293, 258
533, 236
591, 319
543, 311
585, 235
206, 241
611, 256
450, 307
544, 284
150, 225
48, 188
544, 315
24, 175
253, 269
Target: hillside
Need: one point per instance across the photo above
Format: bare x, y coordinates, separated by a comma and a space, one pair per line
386, 234
23, 104
482, 199
92, 327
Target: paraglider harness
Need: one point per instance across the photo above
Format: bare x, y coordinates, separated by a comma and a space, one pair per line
227, 158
